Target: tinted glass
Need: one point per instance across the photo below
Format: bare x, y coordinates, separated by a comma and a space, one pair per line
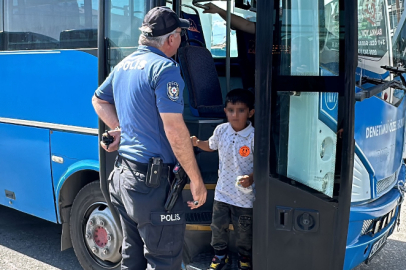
307, 35
304, 139
123, 20
50, 24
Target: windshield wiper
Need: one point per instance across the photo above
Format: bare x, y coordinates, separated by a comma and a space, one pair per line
380, 86
397, 71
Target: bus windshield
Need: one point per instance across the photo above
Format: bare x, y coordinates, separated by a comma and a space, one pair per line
372, 30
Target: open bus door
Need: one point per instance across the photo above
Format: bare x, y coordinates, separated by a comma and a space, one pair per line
306, 56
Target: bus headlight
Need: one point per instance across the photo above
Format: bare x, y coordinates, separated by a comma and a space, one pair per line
361, 183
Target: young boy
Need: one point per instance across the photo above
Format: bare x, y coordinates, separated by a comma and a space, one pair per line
235, 143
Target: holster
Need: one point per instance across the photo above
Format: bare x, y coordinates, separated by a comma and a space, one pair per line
177, 186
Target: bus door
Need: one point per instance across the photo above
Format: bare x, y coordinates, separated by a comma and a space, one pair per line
306, 58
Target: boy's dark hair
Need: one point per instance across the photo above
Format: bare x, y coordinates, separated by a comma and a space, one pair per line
240, 96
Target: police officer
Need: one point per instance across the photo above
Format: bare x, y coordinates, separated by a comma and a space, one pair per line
142, 100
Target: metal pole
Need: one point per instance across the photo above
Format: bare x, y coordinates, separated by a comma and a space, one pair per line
398, 10
228, 49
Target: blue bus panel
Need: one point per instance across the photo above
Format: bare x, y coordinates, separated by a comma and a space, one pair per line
48, 86
25, 170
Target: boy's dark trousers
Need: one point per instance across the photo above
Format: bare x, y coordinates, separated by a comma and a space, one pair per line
241, 218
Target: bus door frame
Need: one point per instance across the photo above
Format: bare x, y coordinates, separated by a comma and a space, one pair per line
264, 207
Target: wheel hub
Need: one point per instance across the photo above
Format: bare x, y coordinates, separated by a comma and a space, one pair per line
102, 236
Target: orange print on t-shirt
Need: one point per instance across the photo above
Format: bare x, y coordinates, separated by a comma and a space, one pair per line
244, 151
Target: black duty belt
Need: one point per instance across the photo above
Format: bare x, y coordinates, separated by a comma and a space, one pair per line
142, 167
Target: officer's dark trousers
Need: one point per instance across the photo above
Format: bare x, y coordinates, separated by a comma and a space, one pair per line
152, 238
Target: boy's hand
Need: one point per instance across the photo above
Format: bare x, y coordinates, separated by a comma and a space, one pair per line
247, 180
194, 140
213, 9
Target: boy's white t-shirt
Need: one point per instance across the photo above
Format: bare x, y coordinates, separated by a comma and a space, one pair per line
236, 155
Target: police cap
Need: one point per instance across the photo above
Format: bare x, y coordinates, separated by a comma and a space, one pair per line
161, 21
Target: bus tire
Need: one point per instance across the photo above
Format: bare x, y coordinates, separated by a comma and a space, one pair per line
96, 238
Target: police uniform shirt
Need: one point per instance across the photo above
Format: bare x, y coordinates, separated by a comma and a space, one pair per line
143, 85
236, 153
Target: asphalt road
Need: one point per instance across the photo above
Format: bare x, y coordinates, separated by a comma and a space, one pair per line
30, 243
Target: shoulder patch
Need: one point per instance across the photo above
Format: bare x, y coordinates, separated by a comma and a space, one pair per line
173, 91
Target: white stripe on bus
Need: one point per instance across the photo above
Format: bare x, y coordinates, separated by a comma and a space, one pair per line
49, 125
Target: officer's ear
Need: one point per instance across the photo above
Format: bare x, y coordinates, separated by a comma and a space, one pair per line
171, 39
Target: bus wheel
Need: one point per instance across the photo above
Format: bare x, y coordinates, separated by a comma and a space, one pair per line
95, 236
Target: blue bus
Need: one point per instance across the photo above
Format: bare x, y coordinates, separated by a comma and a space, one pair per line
53, 55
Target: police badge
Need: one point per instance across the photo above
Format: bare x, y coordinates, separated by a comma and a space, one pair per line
173, 91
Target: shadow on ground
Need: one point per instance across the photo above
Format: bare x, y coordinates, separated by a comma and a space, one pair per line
390, 257
35, 238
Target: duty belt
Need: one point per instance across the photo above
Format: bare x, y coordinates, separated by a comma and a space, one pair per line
141, 167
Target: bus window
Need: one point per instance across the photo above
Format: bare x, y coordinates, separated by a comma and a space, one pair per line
50, 24
372, 33
399, 58
214, 29
308, 44
1, 28
399, 48
305, 124
395, 11
124, 27
1, 21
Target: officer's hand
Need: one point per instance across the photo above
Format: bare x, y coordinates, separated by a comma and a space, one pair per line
116, 142
246, 180
213, 9
199, 193
194, 140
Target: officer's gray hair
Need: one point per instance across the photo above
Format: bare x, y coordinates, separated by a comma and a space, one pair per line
156, 42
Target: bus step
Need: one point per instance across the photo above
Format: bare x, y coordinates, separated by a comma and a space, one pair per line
199, 217
203, 260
